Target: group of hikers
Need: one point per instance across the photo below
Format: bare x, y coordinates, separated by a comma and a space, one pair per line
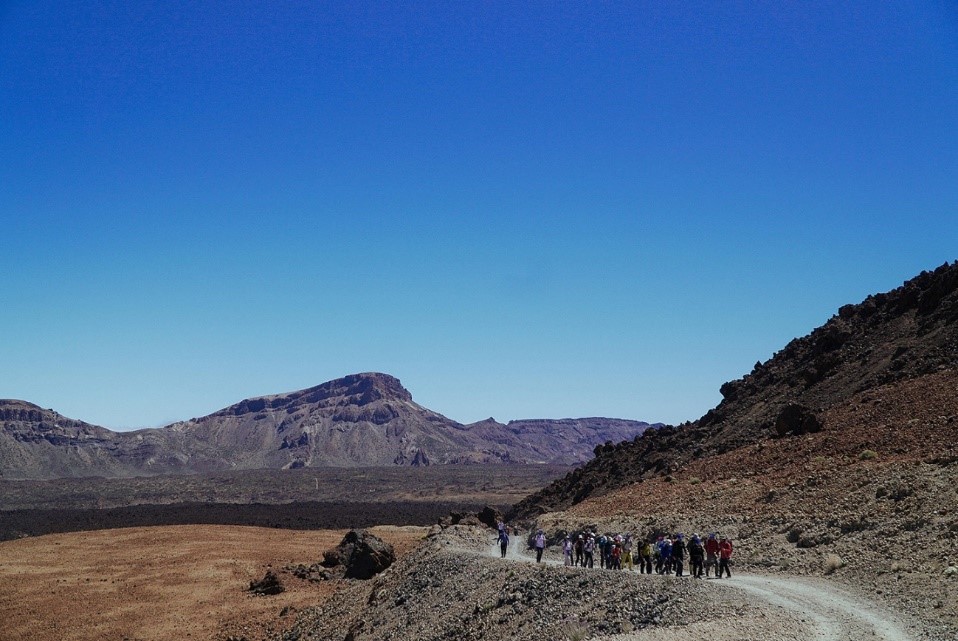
665, 555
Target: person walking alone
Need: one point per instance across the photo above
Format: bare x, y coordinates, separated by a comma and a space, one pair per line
503, 542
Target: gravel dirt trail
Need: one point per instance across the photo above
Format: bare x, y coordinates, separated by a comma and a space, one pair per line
791, 609
829, 613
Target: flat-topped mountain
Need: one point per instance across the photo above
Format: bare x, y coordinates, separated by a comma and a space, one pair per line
359, 420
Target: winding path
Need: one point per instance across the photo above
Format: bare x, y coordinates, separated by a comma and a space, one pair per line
798, 608
831, 613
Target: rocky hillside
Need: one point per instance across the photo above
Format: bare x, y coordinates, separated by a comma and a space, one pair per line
359, 420
905, 334
36, 439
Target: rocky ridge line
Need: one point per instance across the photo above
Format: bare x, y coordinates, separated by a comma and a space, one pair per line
366, 419
903, 334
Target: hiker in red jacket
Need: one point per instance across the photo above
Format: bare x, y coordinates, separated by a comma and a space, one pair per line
711, 555
725, 553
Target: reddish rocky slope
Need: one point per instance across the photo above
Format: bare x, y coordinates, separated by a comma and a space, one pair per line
888, 339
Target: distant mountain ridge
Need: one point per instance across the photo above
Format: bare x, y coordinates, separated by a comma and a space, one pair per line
358, 420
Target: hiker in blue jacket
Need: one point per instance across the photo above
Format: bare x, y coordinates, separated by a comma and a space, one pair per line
503, 541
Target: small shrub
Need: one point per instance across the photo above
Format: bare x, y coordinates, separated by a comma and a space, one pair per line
867, 455
832, 562
694, 480
575, 631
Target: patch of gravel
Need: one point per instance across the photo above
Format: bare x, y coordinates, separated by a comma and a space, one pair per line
764, 625
452, 588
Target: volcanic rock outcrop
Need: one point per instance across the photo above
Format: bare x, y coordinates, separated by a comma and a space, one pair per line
906, 334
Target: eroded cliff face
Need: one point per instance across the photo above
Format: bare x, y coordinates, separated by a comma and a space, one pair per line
36, 440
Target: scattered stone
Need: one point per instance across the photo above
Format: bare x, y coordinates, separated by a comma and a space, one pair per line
832, 562
314, 573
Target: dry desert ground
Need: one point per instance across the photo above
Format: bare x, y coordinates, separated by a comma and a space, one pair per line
170, 582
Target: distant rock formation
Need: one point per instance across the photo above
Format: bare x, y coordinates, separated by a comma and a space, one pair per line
359, 420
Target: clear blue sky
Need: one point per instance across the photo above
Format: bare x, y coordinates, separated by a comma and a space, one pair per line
541, 209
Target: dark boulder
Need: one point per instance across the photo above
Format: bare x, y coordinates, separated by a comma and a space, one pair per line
360, 555
797, 419
268, 585
490, 516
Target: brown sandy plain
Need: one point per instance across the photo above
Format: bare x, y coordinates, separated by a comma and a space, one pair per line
167, 582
